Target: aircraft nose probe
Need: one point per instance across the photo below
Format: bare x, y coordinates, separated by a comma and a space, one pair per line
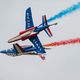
53, 24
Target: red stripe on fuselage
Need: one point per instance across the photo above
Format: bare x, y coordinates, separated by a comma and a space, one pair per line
27, 37
27, 30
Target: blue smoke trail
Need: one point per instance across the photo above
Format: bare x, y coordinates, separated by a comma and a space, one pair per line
64, 12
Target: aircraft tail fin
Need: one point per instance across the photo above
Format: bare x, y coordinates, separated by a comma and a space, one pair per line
19, 50
47, 30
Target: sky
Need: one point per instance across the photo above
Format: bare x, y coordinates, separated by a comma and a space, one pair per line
62, 63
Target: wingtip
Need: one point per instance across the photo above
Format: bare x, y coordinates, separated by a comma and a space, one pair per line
29, 8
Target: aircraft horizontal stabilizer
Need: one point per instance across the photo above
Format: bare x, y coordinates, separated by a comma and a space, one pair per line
47, 30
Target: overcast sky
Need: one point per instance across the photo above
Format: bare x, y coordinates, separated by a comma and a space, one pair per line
62, 63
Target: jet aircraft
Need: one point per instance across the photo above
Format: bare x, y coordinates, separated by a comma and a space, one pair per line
30, 33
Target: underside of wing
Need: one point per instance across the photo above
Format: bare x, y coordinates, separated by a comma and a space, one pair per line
29, 19
37, 45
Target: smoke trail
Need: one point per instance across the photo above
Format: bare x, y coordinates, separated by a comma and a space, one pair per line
70, 41
64, 12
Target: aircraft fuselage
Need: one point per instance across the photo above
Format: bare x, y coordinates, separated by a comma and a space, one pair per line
26, 34
23, 35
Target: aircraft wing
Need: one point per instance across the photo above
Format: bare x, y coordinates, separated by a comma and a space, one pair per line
37, 44
29, 23
28, 19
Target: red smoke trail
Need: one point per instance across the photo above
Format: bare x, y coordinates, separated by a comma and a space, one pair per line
64, 42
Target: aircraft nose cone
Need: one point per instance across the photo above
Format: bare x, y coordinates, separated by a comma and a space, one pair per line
3, 51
